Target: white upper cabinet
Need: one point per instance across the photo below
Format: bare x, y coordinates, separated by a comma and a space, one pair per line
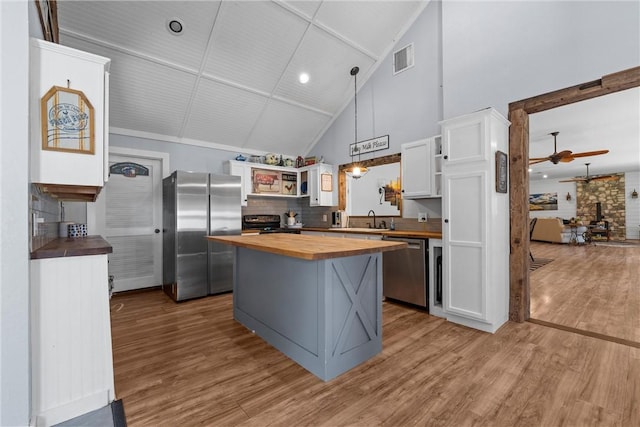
321, 181
421, 168
475, 229
69, 127
244, 172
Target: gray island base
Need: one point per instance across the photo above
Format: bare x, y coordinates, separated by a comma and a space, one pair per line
325, 314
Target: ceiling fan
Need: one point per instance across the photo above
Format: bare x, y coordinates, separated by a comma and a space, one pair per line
564, 156
588, 178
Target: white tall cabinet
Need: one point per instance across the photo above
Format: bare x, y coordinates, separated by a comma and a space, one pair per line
475, 227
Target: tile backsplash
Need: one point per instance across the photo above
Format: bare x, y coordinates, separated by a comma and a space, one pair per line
309, 216
44, 215
313, 216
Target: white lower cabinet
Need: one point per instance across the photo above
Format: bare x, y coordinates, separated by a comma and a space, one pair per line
72, 366
475, 227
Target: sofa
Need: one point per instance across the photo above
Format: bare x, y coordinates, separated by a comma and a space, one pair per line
555, 231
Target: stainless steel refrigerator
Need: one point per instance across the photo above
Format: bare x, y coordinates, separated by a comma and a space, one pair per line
197, 205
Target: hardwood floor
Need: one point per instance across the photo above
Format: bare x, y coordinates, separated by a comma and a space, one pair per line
192, 364
587, 287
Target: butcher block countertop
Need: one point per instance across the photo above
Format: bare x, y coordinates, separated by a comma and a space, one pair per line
76, 246
418, 234
308, 247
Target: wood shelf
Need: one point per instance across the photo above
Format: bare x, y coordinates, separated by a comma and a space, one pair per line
73, 193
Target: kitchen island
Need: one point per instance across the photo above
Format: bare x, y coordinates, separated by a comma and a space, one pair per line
316, 299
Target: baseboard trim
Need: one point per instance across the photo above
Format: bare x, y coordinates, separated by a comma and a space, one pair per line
590, 334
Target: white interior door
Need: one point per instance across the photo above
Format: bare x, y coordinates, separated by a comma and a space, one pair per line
133, 220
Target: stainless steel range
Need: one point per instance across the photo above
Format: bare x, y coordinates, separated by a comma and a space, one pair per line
266, 223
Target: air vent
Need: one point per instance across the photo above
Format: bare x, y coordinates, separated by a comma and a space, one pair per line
403, 59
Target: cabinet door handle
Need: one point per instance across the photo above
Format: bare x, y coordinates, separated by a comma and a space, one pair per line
445, 157
157, 230
403, 191
446, 221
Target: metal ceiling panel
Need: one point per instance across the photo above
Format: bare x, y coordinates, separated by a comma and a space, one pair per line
141, 26
232, 76
144, 96
307, 7
371, 25
253, 42
286, 129
328, 61
223, 114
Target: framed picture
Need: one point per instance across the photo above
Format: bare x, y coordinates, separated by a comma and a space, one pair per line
266, 181
543, 202
67, 121
326, 182
289, 183
501, 172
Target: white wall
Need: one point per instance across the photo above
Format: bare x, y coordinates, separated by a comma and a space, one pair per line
14, 212
632, 207
407, 106
182, 156
495, 53
566, 208
364, 194
471, 55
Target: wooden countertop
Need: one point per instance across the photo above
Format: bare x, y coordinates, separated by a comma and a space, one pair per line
308, 247
76, 246
419, 234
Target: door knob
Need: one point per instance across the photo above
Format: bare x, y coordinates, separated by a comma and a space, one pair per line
157, 230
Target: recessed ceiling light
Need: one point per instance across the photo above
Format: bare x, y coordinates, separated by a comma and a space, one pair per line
175, 26
303, 78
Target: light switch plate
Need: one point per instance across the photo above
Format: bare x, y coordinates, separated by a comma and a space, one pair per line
422, 217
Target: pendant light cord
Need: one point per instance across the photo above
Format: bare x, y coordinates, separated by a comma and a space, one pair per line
354, 73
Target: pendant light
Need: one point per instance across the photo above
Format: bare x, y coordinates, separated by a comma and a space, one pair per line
356, 170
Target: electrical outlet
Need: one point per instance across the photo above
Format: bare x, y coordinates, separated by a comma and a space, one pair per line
422, 217
324, 217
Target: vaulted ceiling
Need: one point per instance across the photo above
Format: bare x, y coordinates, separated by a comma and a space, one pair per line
230, 78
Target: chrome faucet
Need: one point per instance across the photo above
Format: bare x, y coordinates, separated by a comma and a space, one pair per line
374, 217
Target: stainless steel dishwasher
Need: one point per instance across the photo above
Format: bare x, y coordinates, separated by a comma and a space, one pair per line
404, 272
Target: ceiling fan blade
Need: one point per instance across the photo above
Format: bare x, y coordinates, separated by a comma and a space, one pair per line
535, 160
574, 180
590, 153
605, 178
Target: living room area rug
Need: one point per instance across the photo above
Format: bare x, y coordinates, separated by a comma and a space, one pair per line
539, 262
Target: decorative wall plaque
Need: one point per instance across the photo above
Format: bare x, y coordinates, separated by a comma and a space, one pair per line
67, 121
501, 172
373, 144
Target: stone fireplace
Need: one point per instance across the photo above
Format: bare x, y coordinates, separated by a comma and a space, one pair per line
611, 196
